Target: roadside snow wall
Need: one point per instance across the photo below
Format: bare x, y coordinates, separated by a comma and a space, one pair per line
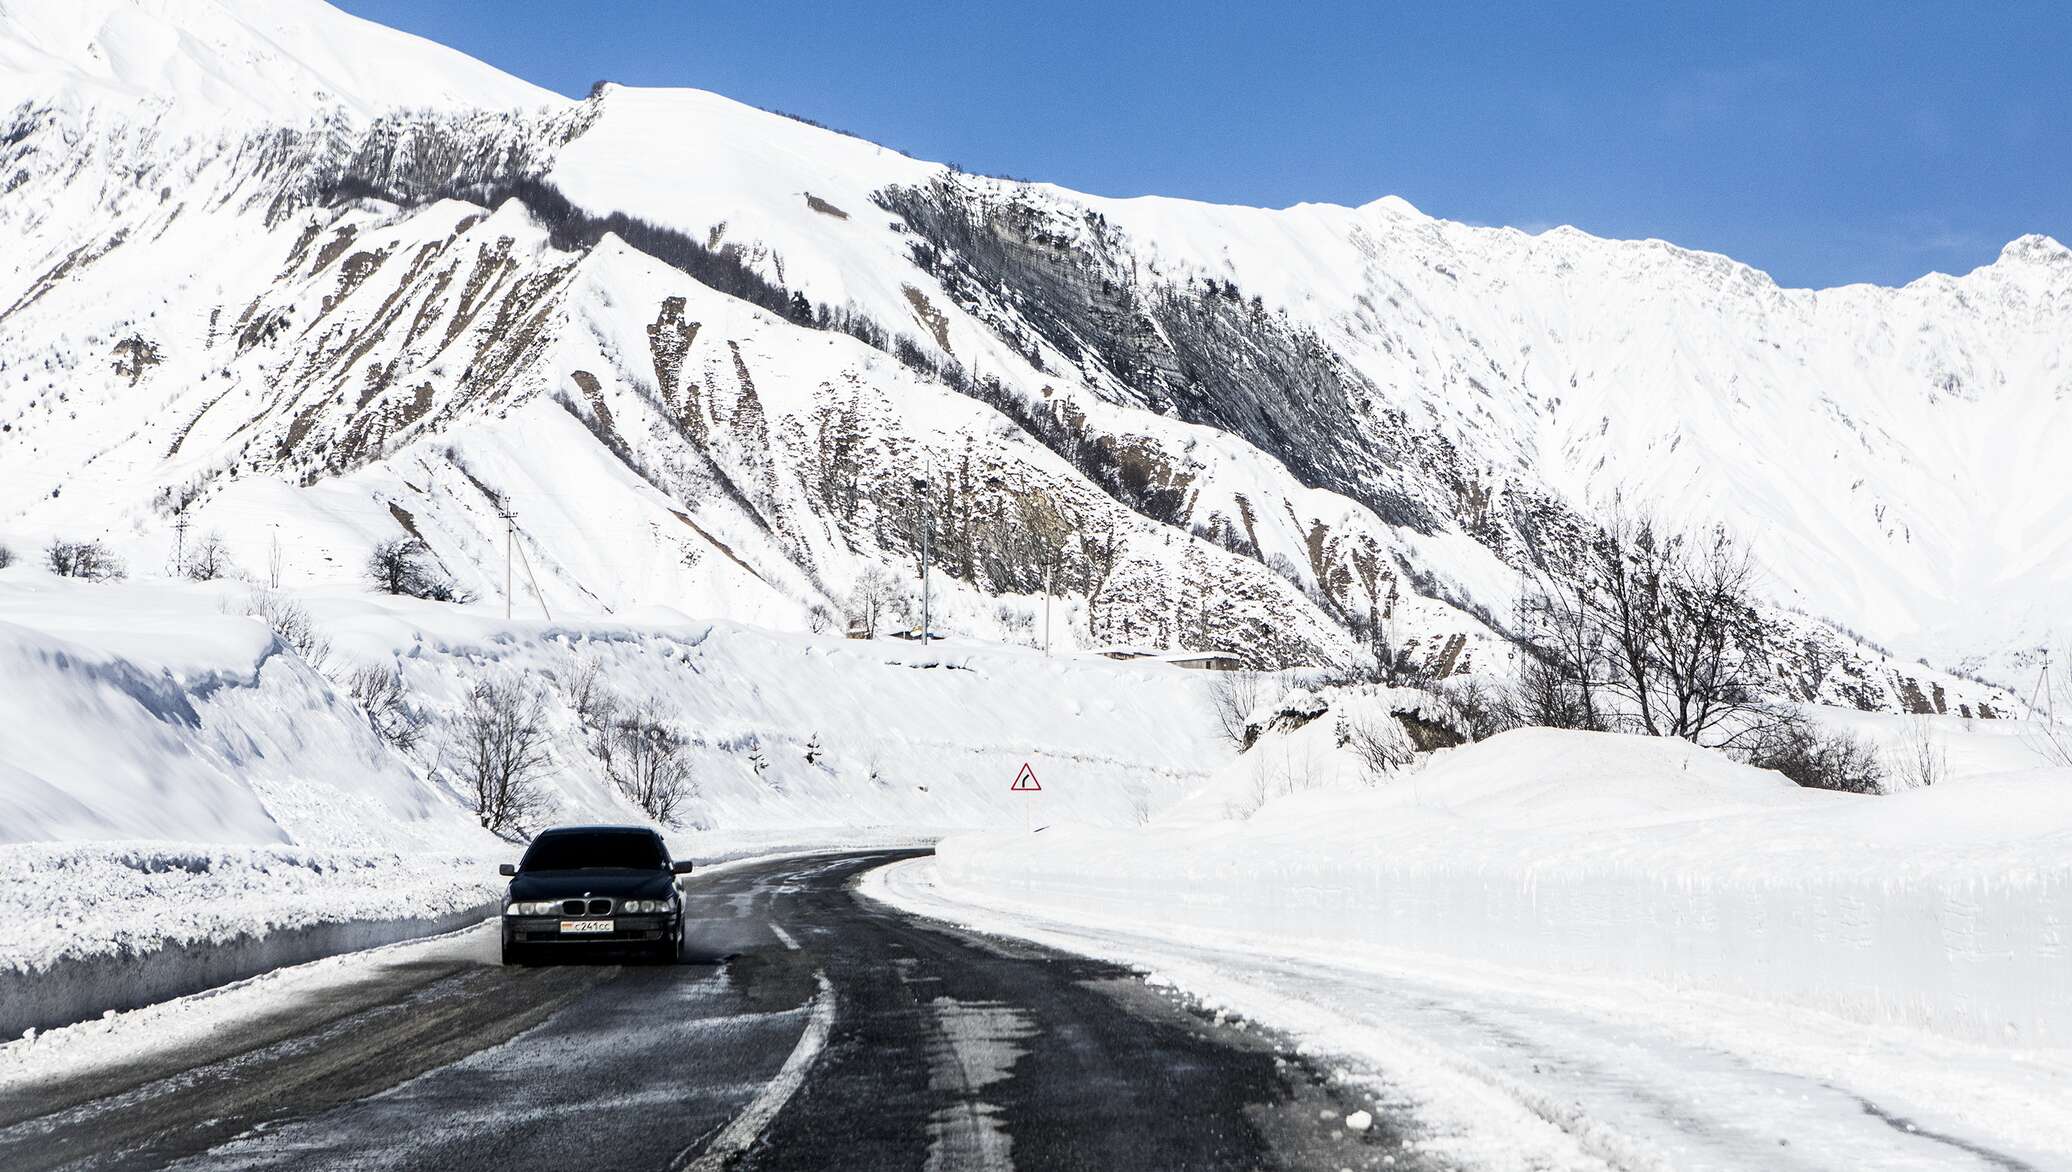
1946, 909
101, 926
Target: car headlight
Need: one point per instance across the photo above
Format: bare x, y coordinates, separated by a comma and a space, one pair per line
532, 908
650, 907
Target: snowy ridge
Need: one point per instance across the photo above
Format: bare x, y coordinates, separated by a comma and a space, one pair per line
252, 61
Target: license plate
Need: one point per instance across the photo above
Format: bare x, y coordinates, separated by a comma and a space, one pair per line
584, 927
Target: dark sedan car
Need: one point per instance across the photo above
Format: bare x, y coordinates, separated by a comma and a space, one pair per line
590, 887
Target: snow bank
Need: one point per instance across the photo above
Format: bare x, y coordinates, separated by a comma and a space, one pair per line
161, 712
1623, 858
101, 927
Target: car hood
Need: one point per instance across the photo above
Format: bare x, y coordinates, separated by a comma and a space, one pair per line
615, 884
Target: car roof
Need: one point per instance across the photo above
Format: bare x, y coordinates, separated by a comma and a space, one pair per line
560, 830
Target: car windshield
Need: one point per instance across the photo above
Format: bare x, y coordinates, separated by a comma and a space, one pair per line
591, 850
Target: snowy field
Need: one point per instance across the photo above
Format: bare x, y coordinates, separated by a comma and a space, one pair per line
1643, 953
1589, 855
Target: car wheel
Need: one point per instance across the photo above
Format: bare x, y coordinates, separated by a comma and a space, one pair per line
514, 955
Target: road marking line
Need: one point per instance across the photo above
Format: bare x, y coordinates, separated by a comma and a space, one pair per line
748, 1126
785, 936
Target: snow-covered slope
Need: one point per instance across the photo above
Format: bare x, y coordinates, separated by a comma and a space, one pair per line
272, 269
256, 60
165, 713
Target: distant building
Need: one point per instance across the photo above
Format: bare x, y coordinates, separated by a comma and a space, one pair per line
1190, 660
1207, 660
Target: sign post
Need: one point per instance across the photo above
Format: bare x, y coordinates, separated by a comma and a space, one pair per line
1025, 783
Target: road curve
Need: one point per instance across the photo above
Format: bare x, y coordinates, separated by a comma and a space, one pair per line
806, 1028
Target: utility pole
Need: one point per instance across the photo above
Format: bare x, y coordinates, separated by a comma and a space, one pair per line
180, 543
927, 523
510, 526
1050, 573
924, 521
273, 560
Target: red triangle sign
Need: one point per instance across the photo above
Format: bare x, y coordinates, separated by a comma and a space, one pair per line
1025, 782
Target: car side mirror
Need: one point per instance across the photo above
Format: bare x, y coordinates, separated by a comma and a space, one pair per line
680, 867
507, 868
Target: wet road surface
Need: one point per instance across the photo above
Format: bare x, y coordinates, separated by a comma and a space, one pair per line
805, 1028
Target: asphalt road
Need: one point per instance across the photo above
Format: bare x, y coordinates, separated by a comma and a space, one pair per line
805, 1028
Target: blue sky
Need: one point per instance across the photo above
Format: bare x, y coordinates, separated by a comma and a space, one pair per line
1825, 141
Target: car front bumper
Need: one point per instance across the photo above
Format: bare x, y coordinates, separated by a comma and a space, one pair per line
530, 930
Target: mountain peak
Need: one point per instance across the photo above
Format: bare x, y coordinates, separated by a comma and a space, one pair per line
2036, 249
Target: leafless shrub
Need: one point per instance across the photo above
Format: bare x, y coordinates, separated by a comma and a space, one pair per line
1818, 758
819, 619
497, 749
650, 764
1140, 804
379, 690
1919, 759
583, 683
292, 624
6, 557
1479, 711
1233, 695
83, 559
1383, 658
1378, 743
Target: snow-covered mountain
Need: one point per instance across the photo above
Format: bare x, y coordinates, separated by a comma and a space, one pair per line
282, 273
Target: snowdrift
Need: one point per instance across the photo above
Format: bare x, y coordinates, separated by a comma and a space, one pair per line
1620, 858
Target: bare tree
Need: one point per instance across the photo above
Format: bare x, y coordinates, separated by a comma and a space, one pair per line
6, 557
393, 566
872, 599
650, 763
292, 624
1919, 758
499, 748
1545, 696
405, 565
1656, 632
83, 559
379, 691
208, 560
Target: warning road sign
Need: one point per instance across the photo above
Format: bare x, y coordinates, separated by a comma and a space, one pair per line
1025, 782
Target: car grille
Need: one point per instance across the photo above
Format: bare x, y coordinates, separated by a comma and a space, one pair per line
581, 907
